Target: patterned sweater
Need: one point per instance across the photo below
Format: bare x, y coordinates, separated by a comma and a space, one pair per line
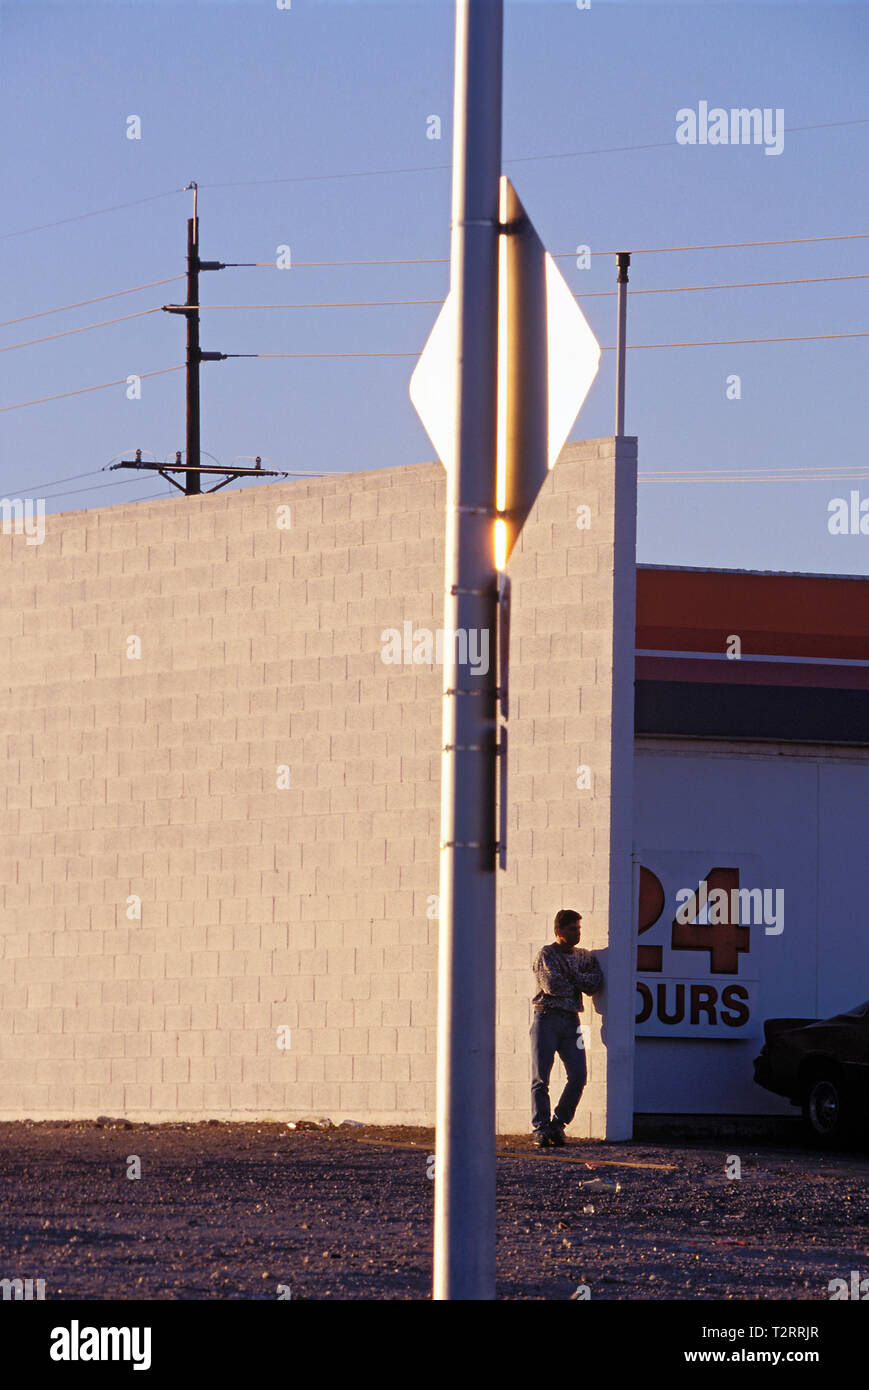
563, 977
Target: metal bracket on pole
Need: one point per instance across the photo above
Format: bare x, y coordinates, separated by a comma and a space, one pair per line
231, 474
502, 799
476, 511
504, 703
476, 693
504, 643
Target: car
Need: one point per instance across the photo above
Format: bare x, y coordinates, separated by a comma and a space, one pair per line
822, 1065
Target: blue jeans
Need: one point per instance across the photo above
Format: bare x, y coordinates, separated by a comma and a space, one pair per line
550, 1033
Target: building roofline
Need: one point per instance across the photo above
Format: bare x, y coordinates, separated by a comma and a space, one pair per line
771, 574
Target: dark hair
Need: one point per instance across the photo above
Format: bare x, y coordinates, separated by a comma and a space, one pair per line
565, 917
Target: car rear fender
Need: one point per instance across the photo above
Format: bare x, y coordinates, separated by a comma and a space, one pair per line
817, 1064
772, 1026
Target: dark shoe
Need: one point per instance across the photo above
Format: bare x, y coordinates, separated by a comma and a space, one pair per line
556, 1136
541, 1139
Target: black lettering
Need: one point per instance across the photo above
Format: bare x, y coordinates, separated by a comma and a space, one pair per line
731, 997
703, 999
646, 995
662, 1004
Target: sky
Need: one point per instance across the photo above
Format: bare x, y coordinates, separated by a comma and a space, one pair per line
309, 127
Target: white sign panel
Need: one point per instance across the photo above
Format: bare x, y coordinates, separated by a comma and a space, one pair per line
547, 360
701, 916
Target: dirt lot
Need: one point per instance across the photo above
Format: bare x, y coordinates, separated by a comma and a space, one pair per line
232, 1211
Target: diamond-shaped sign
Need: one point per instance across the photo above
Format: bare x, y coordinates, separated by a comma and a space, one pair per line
547, 360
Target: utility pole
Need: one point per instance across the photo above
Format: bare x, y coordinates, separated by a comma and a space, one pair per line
193, 358
464, 1232
229, 475
623, 260
194, 468
194, 353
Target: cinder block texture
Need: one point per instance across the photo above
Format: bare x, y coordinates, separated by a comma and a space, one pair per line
219, 805
570, 770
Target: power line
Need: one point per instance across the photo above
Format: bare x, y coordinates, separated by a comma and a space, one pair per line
595, 294
768, 475
388, 303
337, 354
736, 342
565, 255
665, 144
83, 390
752, 472
422, 168
96, 300
343, 304
444, 260
515, 159
94, 472
741, 285
94, 487
734, 475
67, 332
414, 260
73, 492
712, 342
116, 482
378, 173
762, 476
725, 245
97, 212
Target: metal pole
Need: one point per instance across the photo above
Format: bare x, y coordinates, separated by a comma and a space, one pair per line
623, 259
464, 1232
192, 480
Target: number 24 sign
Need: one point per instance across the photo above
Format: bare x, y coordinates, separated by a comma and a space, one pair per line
722, 935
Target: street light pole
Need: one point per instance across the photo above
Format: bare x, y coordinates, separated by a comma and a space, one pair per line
464, 1235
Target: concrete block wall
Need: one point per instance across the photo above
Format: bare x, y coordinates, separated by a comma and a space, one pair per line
219, 806
571, 770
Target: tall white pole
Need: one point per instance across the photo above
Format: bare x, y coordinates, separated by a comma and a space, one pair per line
464, 1234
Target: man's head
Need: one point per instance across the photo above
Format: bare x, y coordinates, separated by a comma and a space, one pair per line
567, 927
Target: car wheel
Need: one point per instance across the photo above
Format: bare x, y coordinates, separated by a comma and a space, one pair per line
827, 1108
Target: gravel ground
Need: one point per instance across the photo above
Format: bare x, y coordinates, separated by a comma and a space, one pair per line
231, 1211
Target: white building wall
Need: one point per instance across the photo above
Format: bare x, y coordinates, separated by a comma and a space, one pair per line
569, 845
793, 818
152, 773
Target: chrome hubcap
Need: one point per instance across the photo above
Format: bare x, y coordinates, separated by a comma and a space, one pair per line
824, 1106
